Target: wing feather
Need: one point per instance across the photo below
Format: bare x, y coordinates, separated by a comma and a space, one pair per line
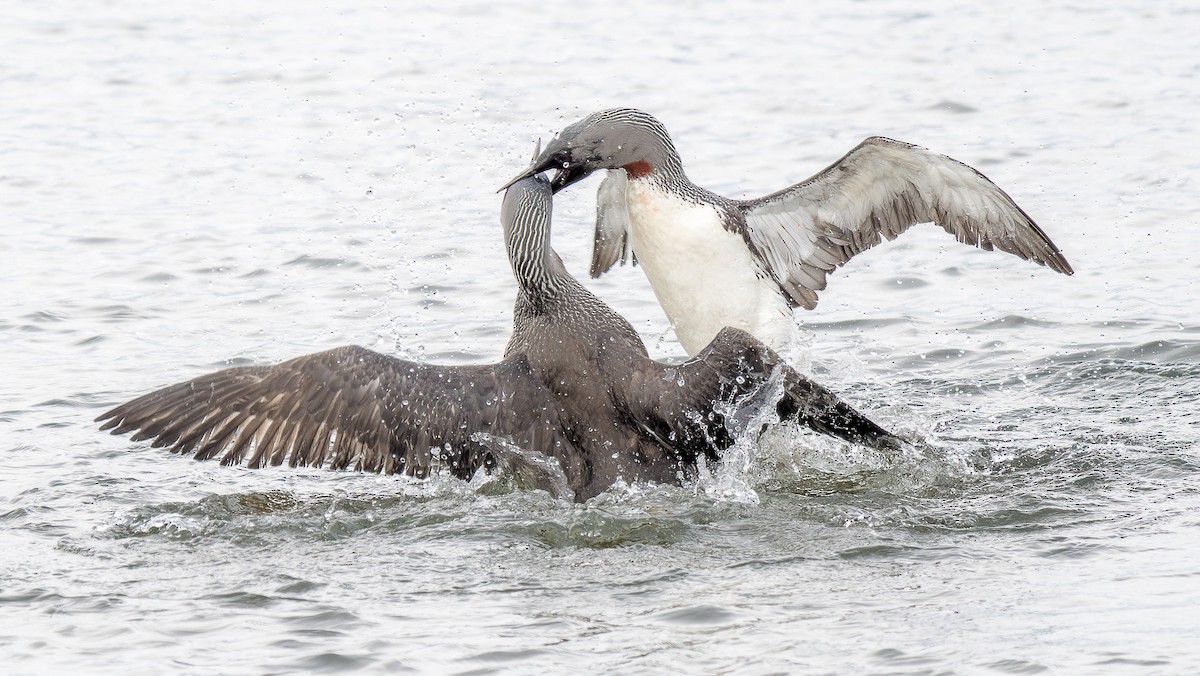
731, 371
612, 243
877, 191
349, 407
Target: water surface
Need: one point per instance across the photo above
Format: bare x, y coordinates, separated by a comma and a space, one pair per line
186, 188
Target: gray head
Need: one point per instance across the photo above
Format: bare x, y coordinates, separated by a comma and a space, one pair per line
610, 139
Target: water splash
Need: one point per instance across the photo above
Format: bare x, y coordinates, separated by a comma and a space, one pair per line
522, 468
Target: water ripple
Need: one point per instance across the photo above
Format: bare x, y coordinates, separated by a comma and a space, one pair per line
237, 184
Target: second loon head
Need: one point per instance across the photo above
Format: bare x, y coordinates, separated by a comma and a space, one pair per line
619, 138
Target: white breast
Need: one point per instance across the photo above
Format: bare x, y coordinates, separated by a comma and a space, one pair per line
704, 276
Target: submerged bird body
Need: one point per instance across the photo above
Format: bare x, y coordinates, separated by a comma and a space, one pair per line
716, 262
576, 385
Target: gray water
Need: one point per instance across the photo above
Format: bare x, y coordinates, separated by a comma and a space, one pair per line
185, 187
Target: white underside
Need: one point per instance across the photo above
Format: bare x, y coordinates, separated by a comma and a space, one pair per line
703, 275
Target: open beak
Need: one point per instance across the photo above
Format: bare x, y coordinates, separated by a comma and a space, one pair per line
565, 176
568, 172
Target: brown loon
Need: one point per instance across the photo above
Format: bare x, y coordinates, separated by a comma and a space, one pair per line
576, 384
715, 262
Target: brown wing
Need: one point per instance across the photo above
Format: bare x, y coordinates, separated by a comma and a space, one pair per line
691, 404
349, 407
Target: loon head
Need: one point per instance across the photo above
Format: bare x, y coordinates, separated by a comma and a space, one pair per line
620, 138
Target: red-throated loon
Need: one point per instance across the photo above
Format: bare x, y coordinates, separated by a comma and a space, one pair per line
576, 384
716, 262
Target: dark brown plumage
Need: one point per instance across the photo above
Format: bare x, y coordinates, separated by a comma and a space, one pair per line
576, 385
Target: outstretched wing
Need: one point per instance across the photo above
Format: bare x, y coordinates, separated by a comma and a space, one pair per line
880, 189
690, 403
612, 242
348, 407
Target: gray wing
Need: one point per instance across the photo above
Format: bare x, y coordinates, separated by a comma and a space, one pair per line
349, 407
732, 372
612, 242
880, 189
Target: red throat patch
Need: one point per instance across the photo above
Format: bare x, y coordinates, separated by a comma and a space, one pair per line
638, 169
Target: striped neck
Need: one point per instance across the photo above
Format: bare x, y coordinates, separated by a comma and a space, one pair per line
656, 154
537, 268
670, 179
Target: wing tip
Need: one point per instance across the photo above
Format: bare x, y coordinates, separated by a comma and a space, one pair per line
1059, 264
